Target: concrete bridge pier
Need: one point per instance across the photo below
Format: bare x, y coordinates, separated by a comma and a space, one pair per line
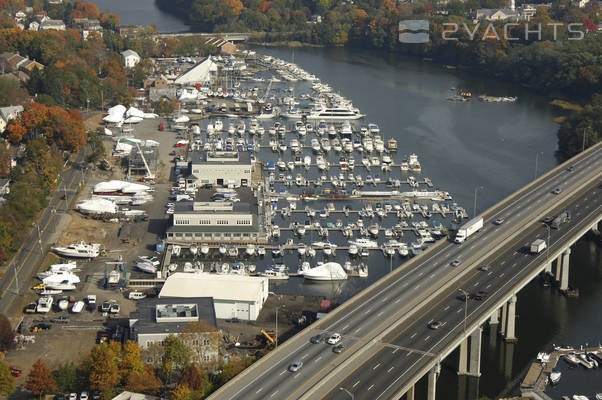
471, 364
511, 321
432, 382
564, 274
504, 319
548, 268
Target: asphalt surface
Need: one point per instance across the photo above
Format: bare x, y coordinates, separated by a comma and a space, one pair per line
373, 368
27, 260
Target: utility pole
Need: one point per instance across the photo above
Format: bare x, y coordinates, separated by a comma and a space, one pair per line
16, 279
465, 294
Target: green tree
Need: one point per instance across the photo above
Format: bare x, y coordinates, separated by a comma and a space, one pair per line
7, 382
175, 359
66, 377
11, 92
7, 333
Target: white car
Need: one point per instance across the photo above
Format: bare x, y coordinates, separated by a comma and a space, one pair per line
83, 396
334, 338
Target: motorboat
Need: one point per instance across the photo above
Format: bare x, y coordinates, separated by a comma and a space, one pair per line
79, 250
61, 276
56, 268
175, 251
302, 250
233, 251
63, 304
222, 249
277, 272
147, 267
64, 285
571, 358
305, 266
194, 249
353, 249
250, 250
78, 306
555, 376
364, 243
152, 260
261, 251
330, 271
204, 249
44, 304
333, 113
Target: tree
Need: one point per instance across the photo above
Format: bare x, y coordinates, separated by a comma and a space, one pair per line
6, 333
182, 392
66, 377
202, 340
131, 363
144, 382
7, 382
104, 366
11, 92
39, 380
192, 378
175, 358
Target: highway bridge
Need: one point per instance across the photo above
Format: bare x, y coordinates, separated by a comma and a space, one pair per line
230, 36
389, 345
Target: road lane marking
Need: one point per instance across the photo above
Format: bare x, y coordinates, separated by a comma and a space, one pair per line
397, 301
368, 311
459, 310
490, 272
471, 247
380, 313
432, 275
514, 265
304, 356
395, 351
446, 308
345, 327
283, 372
414, 335
376, 366
417, 286
420, 274
385, 298
502, 274
371, 386
358, 329
488, 286
356, 383
427, 338
503, 262
390, 369
260, 389
274, 394
318, 359
476, 284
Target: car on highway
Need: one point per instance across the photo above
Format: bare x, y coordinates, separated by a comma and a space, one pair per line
484, 268
557, 191
455, 263
60, 320
334, 338
499, 221
480, 295
464, 297
570, 168
338, 348
435, 325
318, 338
296, 366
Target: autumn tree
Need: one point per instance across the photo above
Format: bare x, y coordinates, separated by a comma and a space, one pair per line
182, 392
131, 363
40, 380
144, 382
175, 359
203, 341
11, 92
7, 382
197, 380
104, 366
7, 333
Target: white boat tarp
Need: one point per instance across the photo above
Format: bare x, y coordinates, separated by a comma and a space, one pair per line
133, 120
151, 143
181, 119
117, 186
149, 115
108, 132
97, 206
117, 110
113, 118
134, 112
124, 148
330, 271
200, 73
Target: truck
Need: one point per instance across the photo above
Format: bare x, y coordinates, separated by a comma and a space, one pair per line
469, 228
563, 217
538, 246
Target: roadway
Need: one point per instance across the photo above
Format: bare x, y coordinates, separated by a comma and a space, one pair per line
398, 302
27, 259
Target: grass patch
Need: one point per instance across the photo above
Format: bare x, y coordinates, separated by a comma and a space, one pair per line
565, 105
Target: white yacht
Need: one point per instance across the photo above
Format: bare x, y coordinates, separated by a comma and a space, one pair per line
250, 250
55, 268
364, 243
64, 285
261, 251
353, 249
338, 112
61, 276
44, 304
146, 266
79, 250
555, 376
277, 272
204, 249
330, 271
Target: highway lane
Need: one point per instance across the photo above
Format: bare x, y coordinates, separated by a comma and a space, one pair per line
26, 260
370, 381
411, 284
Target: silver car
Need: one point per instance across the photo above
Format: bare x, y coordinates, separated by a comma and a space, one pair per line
296, 366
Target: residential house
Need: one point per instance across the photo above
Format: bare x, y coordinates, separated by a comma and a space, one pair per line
224, 47
55, 2
130, 58
131, 31
86, 26
55, 24
7, 114
155, 82
30, 65
158, 93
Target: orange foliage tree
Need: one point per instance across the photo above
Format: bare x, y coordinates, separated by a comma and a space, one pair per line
39, 380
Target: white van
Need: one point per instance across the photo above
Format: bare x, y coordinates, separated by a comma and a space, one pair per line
136, 295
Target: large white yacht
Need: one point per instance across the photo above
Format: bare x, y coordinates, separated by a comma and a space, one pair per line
79, 250
337, 112
330, 271
364, 243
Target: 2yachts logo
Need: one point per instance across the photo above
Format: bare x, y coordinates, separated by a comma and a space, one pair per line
419, 28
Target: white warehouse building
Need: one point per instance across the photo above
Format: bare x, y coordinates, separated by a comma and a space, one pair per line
234, 296
220, 168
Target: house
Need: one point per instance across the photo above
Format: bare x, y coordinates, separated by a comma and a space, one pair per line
224, 47
497, 14
157, 318
7, 114
315, 19
155, 82
30, 65
203, 72
158, 93
243, 298
130, 58
55, 24
10, 62
55, 2
87, 26
131, 31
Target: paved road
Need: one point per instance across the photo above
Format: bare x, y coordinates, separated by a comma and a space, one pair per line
27, 259
396, 301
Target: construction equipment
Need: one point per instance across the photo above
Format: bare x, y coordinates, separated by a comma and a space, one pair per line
270, 337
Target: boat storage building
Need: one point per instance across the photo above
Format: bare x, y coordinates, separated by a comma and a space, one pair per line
243, 298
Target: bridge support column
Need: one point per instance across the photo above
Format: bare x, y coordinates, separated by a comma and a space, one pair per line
558, 263
510, 324
495, 318
475, 352
410, 394
548, 268
432, 383
504, 319
564, 274
462, 364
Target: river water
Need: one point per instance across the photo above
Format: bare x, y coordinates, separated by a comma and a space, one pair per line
488, 147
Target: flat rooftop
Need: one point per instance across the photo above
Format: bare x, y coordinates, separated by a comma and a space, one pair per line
220, 287
220, 157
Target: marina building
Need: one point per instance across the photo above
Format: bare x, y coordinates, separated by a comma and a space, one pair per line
155, 319
213, 222
219, 168
243, 299
202, 73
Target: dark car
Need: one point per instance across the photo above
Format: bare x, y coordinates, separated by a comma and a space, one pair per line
60, 320
234, 320
30, 308
435, 325
464, 297
105, 307
570, 168
338, 348
484, 267
318, 338
480, 295
557, 191
548, 219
